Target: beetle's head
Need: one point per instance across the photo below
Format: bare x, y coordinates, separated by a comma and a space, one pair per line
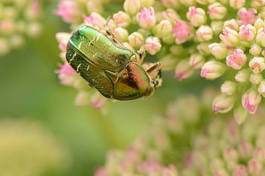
154, 72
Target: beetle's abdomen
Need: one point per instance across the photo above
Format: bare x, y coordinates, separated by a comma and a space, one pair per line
94, 76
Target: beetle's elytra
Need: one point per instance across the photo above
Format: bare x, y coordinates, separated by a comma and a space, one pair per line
110, 67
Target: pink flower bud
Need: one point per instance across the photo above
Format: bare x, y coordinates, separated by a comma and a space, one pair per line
247, 32
218, 50
257, 64
98, 101
261, 88
152, 45
247, 16
212, 70
132, 6
251, 100
242, 75
229, 37
196, 16
95, 20
182, 31
136, 40
216, 11
121, 19
163, 29
68, 10
255, 78
204, 33
146, 18
65, 74
223, 103
240, 170
236, 4
255, 167
260, 37
196, 61
120, 34
63, 38
255, 50
240, 115
170, 15
237, 59
183, 70
232, 24
228, 88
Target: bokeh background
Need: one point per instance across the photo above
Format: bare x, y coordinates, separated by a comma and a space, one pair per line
30, 91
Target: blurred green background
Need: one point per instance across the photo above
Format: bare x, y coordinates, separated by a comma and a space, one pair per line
30, 90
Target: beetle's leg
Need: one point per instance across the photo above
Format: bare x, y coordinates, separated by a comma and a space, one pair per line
141, 54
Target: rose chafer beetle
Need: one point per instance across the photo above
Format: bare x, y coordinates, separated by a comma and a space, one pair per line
114, 70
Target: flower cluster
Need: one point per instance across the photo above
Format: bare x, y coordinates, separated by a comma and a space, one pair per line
221, 38
226, 148
193, 143
18, 19
157, 151
26, 148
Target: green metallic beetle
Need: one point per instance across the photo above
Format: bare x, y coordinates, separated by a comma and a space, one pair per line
111, 68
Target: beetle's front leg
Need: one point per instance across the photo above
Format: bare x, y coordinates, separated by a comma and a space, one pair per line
141, 54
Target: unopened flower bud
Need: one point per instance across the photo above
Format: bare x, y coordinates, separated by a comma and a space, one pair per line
242, 75
232, 24
255, 50
217, 26
255, 167
204, 33
146, 18
121, 19
217, 11
196, 16
218, 50
247, 32
203, 48
183, 70
223, 103
68, 10
260, 37
230, 37
95, 20
261, 88
247, 16
257, 64
196, 61
152, 45
236, 4
120, 34
136, 40
63, 38
257, 3
132, 6
240, 115
182, 31
65, 74
97, 101
170, 15
255, 78
237, 59
212, 70
251, 100
82, 98
163, 29
228, 87
259, 23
